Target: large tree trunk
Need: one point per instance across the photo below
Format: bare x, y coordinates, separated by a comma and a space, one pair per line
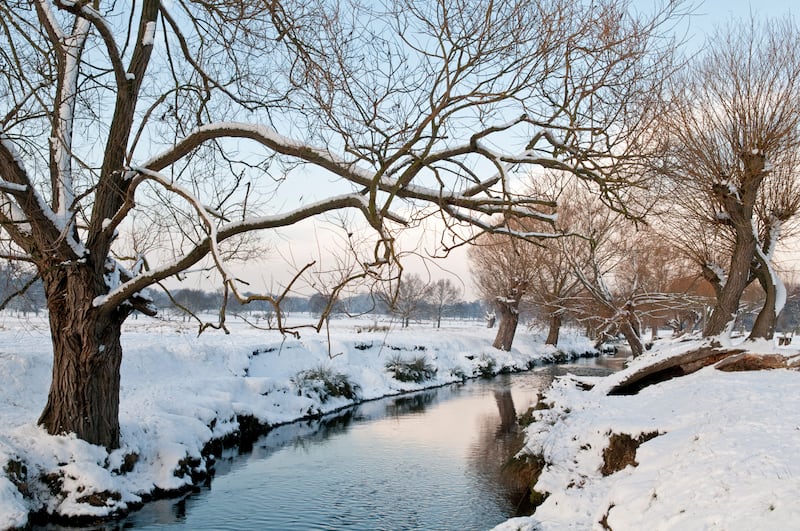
738, 204
84, 393
555, 329
727, 304
632, 337
508, 308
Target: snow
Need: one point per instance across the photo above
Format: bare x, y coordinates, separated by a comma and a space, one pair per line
179, 391
149, 34
719, 272
780, 292
724, 456
12, 187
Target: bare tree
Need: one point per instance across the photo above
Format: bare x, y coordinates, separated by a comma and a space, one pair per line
441, 293
140, 140
599, 242
508, 271
405, 297
734, 130
501, 269
621, 269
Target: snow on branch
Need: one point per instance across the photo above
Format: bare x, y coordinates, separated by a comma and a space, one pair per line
323, 158
715, 273
61, 139
268, 138
49, 21
780, 289
23, 207
86, 11
12, 188
498, 227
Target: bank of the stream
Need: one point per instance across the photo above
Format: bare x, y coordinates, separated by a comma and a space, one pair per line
713, 449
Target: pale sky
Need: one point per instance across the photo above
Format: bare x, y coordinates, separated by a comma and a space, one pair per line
310, 241
713, 12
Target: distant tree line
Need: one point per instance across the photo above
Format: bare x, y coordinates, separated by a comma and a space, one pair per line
436, 300
21, 291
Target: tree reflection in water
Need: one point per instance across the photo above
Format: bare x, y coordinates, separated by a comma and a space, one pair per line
500, 440
413, 403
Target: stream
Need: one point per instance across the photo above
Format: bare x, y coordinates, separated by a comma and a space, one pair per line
429, 460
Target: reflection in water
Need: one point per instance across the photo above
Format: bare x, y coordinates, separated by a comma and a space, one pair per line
413, 403
508, 414
500, 439
436, 459
601, 366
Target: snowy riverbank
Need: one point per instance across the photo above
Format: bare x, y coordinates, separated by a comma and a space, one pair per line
721, 456
718, 451
180, 391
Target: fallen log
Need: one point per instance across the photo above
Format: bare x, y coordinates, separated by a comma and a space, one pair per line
666, 369
728, 360
752, 362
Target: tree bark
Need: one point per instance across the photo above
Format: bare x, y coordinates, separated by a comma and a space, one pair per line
84, 393
555, 329
508, 308
764, 327
631, 328
727, 304
739, 206
632, 337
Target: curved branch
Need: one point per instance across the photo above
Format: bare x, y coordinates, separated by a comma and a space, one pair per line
128, 289
348, 170
28, 205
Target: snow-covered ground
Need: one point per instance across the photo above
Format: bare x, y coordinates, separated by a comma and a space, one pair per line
724, 457
179, 391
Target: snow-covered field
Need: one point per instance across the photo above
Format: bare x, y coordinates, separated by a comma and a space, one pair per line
179, 391
724, 458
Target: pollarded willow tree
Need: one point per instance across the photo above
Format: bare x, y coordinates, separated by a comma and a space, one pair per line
502, 269
142, 139
734, 129
511, 273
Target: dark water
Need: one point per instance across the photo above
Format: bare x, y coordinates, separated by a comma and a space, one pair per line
430, 460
